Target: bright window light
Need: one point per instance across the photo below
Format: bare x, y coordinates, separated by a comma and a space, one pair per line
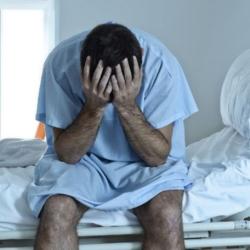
23, 50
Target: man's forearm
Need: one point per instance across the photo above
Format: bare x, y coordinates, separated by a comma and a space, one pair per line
75, 141
147, 141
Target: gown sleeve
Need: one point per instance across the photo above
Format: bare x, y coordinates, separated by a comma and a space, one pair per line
56, 106
169, 97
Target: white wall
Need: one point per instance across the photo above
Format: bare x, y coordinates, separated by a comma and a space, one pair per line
205, 35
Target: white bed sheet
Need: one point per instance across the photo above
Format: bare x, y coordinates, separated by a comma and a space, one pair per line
220, 168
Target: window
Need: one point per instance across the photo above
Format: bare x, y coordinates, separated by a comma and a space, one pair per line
26, 37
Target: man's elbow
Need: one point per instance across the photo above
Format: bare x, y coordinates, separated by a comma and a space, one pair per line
154, 162
159, 159
67, 160
65, 157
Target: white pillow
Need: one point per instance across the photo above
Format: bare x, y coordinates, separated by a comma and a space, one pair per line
19, 152
235, 95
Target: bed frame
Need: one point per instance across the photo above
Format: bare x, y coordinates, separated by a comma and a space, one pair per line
94, 237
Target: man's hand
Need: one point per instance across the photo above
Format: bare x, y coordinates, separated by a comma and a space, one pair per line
126, 88
98, 90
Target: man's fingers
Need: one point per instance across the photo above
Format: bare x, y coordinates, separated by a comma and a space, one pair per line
136, 69
108, 89
104, 80
119, 75
97, 74
127, 71
115, 86
86, 71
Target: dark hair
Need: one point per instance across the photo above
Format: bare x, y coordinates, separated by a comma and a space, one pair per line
110, 42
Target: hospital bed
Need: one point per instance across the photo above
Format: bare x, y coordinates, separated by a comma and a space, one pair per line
216, 211
120, 230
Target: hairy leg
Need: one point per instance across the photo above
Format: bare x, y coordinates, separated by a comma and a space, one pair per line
161, 219
58, 223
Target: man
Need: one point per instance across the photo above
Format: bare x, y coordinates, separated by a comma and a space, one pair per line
113, 100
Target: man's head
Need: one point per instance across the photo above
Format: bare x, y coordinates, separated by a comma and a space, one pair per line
110, 42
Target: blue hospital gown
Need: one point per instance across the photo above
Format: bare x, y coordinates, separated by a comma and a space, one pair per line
110, 176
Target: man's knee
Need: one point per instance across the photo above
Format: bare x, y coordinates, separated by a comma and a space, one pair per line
61, 212
163, 211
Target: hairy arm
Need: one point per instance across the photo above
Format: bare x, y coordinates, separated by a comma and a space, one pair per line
152, 145
71, 144
148, 142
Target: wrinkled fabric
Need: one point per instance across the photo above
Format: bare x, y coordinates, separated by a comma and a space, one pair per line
219, 190
104, 185
224, 145
235, 95
220, 170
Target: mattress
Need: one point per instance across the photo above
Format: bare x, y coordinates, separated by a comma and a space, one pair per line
219, 167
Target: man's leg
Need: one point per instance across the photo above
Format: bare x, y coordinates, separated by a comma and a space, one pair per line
161, 219
58, 221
